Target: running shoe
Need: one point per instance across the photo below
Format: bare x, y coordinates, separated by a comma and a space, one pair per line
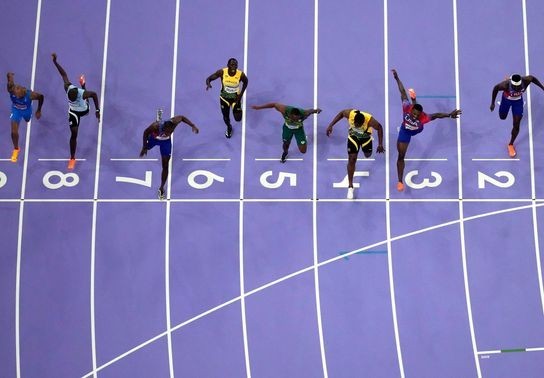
15, 155
228, 133
511, 151
161, 194
71, 164
283, 157
400, 186
412, 93
82, 81
350, 193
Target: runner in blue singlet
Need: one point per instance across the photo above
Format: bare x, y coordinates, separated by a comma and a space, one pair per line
158, 134
512, 96
21, 108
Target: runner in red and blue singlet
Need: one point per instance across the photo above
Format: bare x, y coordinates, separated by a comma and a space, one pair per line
512, 96
413, 119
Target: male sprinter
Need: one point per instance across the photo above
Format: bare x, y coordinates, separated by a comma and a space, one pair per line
512, 96
359, 137
293, 125
231, 94
21, 107
412, 124
158, 134
78, 107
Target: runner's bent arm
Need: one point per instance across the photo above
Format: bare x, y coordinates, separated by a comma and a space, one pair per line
178, 119
217, 74
342, 114
378, 127
534, 80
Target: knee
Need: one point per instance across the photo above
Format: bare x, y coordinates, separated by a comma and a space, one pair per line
503, 115
368, 154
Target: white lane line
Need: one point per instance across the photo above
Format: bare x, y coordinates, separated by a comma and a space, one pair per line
314, 201
241, 206
134, 159
495, 159
426, 159
388, 193
96, 181
460, 189
46, 159
168, 203
512, 350
278, 159
359, 160
532, 159
205, 159
219, 200
22, 203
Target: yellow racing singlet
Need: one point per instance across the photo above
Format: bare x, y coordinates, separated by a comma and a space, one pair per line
361, 132
231, 84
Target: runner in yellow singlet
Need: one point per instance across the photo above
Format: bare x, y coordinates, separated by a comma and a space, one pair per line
359, 137
231, 93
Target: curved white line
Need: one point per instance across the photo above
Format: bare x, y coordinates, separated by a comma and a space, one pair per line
307, 269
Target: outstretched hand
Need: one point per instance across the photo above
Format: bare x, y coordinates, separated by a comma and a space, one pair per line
395, 74
195, 129
380, 149
208, 85
455, 113
329, 131
143, 152
492, 106
54, 57
38, 114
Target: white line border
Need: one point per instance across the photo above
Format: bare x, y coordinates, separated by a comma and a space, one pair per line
96, 181
241, 205
532, 158
168, 202
460, 189
388, 192
314, 199
22, 203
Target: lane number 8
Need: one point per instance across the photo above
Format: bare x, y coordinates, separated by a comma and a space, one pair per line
64, 179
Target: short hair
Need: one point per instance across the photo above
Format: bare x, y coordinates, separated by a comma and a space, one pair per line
296, 112
359, 118
418, 107
232, 60
72, 94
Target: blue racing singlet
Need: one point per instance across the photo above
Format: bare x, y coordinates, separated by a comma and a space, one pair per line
21, 103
